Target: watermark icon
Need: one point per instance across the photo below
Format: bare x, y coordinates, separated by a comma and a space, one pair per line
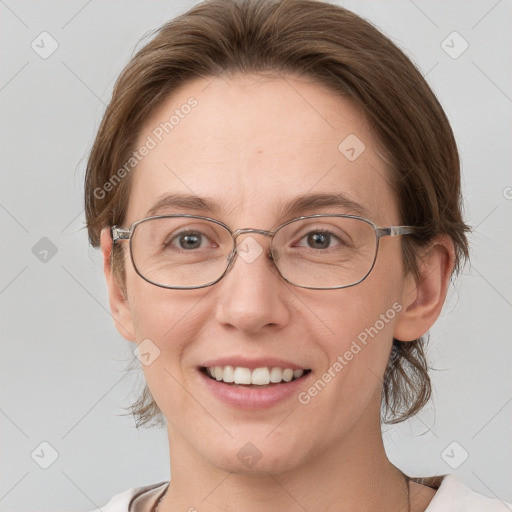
151, 142
146, 352
44, 45
454, 45
44, 250
249, 455
44, 455
304, 397
454, 455
351, 147
507, 193
249, 249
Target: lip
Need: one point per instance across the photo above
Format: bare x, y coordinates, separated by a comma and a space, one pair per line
253, 363
253, 398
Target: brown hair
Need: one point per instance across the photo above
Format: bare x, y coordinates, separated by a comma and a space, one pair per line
342, 52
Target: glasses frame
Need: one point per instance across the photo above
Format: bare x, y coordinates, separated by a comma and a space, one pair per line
123, 233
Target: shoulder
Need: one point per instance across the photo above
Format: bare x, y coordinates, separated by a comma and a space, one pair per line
136, 499
453, 495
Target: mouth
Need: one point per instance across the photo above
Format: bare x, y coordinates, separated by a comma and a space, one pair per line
258, 378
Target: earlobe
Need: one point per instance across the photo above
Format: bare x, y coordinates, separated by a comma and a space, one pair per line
119, 306
423, 297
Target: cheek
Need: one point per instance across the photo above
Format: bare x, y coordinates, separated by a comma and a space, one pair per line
161, 314
350, 383
166, 324
360, 321
362, 312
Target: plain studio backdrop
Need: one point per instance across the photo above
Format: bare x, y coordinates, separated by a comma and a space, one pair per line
64, 444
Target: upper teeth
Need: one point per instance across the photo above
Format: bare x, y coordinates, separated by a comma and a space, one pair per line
258, 376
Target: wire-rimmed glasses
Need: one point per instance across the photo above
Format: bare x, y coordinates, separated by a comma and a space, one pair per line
321, 252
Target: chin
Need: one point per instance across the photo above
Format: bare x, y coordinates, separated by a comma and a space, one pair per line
257, 458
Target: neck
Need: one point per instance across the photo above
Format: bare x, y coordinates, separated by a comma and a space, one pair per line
352, 474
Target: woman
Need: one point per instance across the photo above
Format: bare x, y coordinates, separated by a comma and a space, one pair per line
276, 194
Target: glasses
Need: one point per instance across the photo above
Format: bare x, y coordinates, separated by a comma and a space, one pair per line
319, 252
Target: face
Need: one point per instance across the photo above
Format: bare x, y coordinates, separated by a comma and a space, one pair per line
252, 145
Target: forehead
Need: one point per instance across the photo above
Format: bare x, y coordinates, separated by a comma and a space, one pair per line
251, 145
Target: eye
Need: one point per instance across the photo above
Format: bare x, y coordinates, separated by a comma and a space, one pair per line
187, 240
319, 240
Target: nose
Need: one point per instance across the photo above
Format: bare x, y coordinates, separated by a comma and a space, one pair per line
252, 295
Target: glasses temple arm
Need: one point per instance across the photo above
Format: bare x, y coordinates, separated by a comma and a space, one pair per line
396, 230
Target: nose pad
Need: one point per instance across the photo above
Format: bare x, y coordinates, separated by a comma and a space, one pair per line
274, 256
231, 257
249, 250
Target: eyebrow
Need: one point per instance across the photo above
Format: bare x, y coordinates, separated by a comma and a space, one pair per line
332, 201
297, 206
184, 202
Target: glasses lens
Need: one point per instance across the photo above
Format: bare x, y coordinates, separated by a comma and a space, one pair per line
180, 251
325, 252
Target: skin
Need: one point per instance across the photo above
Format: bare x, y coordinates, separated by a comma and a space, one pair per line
252, 143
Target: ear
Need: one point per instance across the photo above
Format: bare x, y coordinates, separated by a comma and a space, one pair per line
423, 297
119, 306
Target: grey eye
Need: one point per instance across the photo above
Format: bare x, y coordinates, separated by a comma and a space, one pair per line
319, 240
190, 241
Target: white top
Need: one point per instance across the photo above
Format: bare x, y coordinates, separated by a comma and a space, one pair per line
452, 496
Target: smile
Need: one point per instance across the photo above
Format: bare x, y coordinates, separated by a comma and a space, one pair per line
263, 376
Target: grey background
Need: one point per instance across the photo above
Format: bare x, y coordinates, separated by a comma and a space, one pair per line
62, 375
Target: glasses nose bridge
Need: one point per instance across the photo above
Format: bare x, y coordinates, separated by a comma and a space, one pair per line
244, 231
